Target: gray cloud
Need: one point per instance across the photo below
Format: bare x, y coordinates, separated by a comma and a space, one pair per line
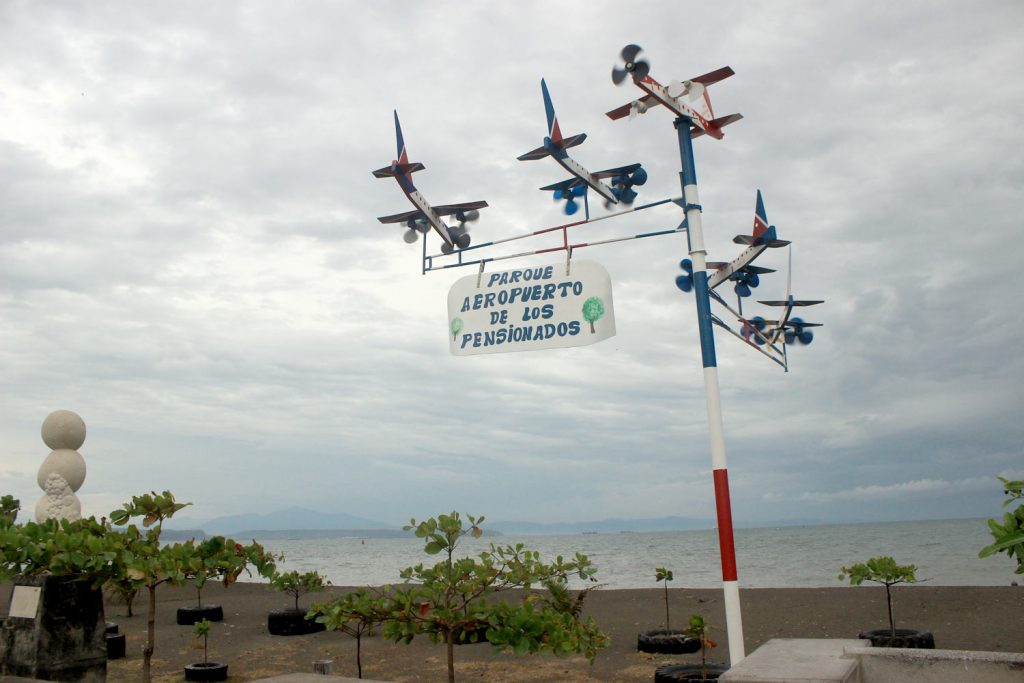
190, 257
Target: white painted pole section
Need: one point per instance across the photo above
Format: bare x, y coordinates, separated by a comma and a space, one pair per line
734, 621
716, 427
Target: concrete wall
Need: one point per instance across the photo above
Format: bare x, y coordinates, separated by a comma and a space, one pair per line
883, 664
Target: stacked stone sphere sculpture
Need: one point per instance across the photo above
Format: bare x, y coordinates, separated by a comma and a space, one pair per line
63, 471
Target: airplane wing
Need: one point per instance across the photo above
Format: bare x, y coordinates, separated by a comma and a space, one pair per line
402, 217
564, 185
716, 124
714, 76
398, 169
787, 303
448, 209
749, 240
538, 153
624, 110
621, 170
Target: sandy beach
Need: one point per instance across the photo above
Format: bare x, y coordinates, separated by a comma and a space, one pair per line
974, 618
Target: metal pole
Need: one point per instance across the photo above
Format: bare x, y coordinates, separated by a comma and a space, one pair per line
716, 429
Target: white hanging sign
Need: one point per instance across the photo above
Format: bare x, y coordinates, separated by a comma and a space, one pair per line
530, 309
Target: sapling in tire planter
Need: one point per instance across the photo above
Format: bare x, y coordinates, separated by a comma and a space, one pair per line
293, 622
206, 670
885, 571
666, 641
705, 671
207, 564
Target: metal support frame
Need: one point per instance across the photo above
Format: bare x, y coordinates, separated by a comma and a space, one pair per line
716, 428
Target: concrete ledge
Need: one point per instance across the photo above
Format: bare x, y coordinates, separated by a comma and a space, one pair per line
313, 678
797, 660
878, 664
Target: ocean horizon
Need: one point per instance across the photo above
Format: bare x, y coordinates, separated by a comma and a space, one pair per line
944, 551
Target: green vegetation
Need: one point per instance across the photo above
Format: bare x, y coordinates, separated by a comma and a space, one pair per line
885, 571
202, 630
452, 600
355, 614
665, 575
295, 584
699, 629
9, 507
1009, 535
124, 560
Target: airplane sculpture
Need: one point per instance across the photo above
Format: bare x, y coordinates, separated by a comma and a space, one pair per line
424, 216
687, 98
787, 329
555, 145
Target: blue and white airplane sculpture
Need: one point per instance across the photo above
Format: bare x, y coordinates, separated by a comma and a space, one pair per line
621, 179
424, 216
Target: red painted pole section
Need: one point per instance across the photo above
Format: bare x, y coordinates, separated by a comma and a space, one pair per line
725, 539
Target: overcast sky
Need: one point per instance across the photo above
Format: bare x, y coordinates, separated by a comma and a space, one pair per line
190, 257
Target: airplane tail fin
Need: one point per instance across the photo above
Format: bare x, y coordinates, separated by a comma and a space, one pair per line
401, 164
762, 233
554, 139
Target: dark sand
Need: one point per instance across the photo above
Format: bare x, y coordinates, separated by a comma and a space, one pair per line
968, 618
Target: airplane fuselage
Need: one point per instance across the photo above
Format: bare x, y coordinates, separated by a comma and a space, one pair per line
420, 202
660, 93
577, 169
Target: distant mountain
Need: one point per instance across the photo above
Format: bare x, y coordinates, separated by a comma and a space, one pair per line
290, 519
606, 526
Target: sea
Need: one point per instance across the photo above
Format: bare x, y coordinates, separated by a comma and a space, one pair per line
945, 553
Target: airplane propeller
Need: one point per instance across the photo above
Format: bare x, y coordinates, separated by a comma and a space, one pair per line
796, 331
571, 206
685, 282
415, 227
460, 233
622, 186
756, 323
631, 65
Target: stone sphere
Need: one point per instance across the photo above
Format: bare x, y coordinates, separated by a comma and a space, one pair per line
59, 507
63, 429
68, 464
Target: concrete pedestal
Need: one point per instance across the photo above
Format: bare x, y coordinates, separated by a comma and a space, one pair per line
55, 631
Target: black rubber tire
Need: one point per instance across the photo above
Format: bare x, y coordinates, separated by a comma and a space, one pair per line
191, 615
674, 673
208, 671
112, 627
115, 645
667, 642
291, 622
905, 637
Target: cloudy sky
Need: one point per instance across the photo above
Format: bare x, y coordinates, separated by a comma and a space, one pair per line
190, 257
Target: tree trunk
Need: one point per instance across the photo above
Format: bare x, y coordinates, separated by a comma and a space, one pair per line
888, 599
451, 655
147, 652
359, 655
667, 627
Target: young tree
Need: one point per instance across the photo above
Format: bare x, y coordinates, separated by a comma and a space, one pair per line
355, 614
885, 571
295, 584
1009, 536
699, 628
450, 601
145, 563
664, 575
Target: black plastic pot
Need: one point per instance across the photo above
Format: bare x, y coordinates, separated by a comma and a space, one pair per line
206, 671
291, 622
667, 642
905, 637
674, 673
115, 645
112, 627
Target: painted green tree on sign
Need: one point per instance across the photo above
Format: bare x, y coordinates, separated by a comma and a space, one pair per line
593, 309
456, 327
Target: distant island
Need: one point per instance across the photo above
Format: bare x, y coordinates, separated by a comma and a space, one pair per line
303, 523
